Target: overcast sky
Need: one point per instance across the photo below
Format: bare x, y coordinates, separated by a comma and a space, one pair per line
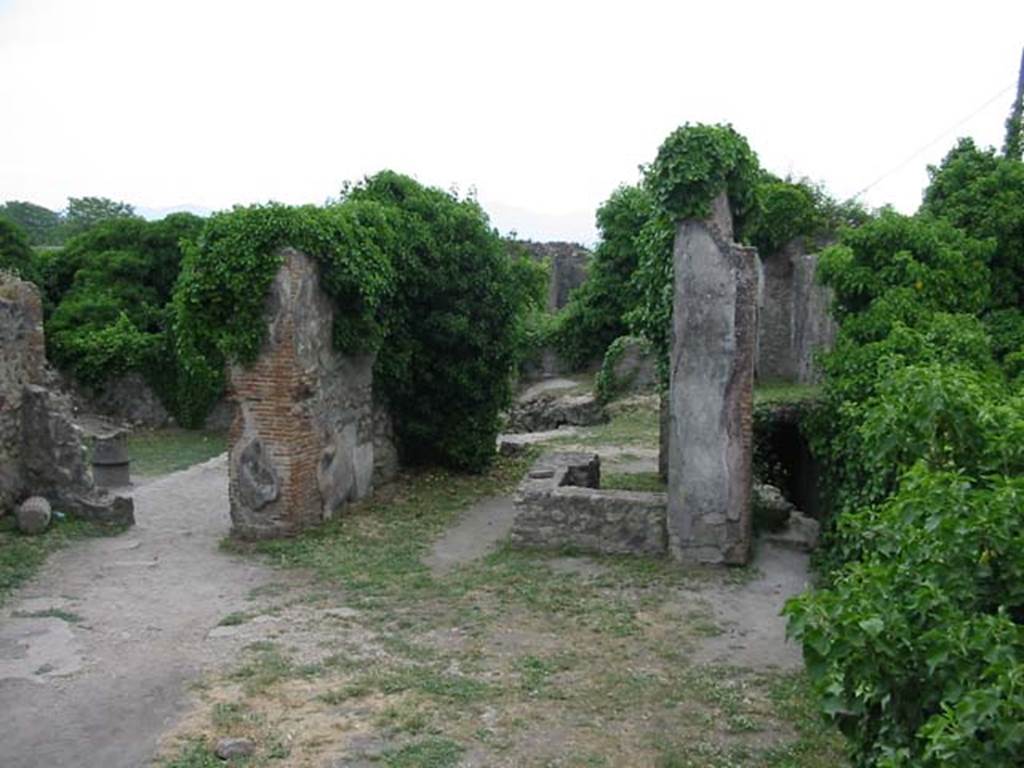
542, 107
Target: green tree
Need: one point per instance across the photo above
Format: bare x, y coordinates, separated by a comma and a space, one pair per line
41, 225
595, 314
982, 193
85, 212
15, 252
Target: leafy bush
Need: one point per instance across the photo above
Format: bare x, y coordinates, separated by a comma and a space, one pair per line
983, 194
607, 385
452, 326
698, 162
595, 314
918, 649
414, 272
915, 642
107, 294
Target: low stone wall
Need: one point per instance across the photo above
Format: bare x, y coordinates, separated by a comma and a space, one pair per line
302, 439
559, 505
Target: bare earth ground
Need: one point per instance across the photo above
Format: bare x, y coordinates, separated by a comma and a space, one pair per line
95, 651
404, 635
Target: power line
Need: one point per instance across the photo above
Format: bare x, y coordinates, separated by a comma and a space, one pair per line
935, 141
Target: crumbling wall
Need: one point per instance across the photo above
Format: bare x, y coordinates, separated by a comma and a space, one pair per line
714, 337
795, 323
22, 361
569, 262
302, 440
41, 450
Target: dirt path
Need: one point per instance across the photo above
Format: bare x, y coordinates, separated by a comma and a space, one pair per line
478, 531
96, 652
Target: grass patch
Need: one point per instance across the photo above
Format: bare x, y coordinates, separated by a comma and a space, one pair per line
374, 550
234, 619
196, 753
21, 556
783, 392
160, 451
433, 752
633, 481
632, 423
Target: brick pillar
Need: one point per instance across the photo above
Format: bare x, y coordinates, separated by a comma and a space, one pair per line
714, 338
302, 435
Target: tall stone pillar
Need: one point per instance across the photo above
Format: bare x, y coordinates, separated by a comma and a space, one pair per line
302, 435
714, 339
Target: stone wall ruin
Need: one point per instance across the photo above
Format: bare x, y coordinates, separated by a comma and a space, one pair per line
41, 449
714, 337
302, 439
794, 323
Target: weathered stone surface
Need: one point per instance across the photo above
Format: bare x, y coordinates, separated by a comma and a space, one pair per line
771, 509
302, 441
714, 335
41, 450
794, 323
53, 455
385, 446
548, 410
800, 533
568, 263
633, 371
111, 466
128, 398
22, 361
228, 748
33, 515
664, 431
559, 505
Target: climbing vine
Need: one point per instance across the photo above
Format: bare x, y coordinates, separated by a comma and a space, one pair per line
415, 274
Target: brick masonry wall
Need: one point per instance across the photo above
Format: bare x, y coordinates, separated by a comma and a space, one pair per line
302, 435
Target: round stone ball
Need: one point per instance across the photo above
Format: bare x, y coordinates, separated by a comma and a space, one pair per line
34, 515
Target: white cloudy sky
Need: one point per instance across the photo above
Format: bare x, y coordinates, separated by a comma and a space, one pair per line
543, 107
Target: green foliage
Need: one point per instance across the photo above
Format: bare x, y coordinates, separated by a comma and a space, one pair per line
607, 385
915, 644
108, 292
85, 212
40, 225
698, 162
452, 326
226, 273
918, 649
15, 252
983, 194
595, 314
535, 326
654, 282
404, 263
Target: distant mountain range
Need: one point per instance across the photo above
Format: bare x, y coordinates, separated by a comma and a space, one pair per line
152, 214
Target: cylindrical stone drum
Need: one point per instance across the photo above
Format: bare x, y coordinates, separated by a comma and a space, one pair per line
110, 462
